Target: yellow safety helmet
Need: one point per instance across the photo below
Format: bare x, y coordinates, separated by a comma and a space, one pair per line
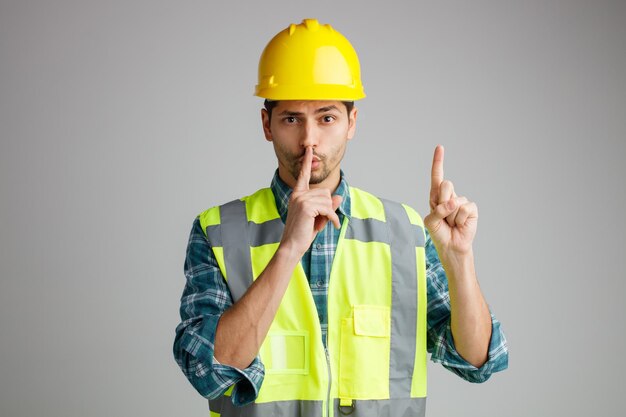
309, 61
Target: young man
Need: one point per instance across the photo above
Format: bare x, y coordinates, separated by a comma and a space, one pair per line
315, 298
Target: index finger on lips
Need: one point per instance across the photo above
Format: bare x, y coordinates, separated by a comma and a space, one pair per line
305, 170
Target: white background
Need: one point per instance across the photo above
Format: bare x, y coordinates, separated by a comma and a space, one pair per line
120, 121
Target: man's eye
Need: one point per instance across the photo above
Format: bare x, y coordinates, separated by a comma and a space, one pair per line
328, 119
290, 119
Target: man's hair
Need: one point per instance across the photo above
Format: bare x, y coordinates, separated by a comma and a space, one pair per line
270, 104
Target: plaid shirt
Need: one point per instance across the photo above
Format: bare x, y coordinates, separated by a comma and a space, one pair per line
206, 296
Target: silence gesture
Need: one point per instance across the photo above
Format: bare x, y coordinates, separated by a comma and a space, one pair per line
452, 220
309, 209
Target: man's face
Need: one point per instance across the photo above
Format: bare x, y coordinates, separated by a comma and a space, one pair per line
324, 125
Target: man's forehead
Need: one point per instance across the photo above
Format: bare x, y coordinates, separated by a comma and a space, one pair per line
307, 106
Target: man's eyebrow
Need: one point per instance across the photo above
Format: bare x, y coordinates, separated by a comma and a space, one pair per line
290, 113
297, 113
327, 108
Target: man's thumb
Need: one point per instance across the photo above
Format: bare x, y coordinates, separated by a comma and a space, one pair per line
443, 210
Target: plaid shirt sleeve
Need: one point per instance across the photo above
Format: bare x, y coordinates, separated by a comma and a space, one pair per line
439, 334
205, 298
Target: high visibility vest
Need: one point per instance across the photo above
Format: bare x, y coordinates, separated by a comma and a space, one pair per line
375, 360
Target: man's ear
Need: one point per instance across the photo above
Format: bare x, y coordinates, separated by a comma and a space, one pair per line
352, 122
265, 120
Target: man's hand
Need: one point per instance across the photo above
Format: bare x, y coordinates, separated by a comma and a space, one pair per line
452, 225
309, 211
452, 220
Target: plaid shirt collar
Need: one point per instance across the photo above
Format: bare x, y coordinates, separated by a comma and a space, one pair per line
282, 192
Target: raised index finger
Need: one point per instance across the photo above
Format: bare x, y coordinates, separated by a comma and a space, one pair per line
305, 171
436, 174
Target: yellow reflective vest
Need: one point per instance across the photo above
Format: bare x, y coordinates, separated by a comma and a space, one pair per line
375, 360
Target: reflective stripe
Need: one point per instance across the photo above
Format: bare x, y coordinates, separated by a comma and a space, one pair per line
293, 408
259, 233
367, 230
216, 404
214, 235
236, 234
403, 300
236, 250
271, 231
418, 233
373, 230
265, 233
399, 407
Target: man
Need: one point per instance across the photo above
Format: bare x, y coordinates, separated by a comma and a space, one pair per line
315, 298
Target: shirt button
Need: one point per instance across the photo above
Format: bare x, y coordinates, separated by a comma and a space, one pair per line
319, 284
318, 246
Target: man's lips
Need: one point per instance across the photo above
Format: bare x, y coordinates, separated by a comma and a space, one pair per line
315, 159
315, 162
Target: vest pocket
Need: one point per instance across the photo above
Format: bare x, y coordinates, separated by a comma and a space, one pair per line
286, 352
364, 353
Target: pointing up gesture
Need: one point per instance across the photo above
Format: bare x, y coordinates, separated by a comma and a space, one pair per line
452, 220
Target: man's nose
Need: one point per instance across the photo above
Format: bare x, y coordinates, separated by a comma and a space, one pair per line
310, 135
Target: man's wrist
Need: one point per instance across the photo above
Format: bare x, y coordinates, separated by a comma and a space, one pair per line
458, 265
288, 253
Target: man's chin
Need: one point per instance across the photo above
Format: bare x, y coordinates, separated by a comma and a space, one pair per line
317, 179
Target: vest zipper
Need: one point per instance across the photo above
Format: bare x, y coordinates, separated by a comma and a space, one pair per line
329, 382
